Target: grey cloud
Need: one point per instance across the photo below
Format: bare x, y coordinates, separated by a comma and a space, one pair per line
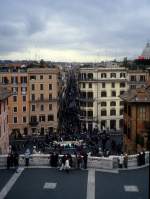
110, 27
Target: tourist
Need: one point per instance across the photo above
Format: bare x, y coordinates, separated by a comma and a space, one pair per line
126, 161
121, 161
85, 160
67, 165
27, 157
9, 160
16, 160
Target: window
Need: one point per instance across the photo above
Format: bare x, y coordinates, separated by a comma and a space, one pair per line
33, 107
33, 118
122, 85
23, 80
42, 118
24, 109
113, 103
122, 75
32, 77
42, 107
14, 80
90, 114
83, 104
4, 106
133, 78
33, 97
50, 96
112, 112
15, 119
113, 84
23, 98
121, 103
32, 87
23, 89
50, 117
90, 104
90, 95
103, 104
83, 85
41, 87
90, 85
113, 93
103, 85
142, 78
121, 122
103, 94
103, 113
142, 113
50, 77
15, 109
50, 107
103, 75
121, 111
24, 119
133, 86
50, 86
41, 97
90, 76
41, 76
122, 92
15, 90
113, 124
15, 98
113, 75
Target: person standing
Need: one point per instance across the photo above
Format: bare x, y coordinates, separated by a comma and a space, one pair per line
85, 160
16, 160
9, 160
121, 161
67, 166
27, 156
126, 161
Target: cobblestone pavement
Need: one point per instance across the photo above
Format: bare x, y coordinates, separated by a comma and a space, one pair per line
82, 184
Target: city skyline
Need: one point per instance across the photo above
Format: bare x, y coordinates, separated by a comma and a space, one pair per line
73, 31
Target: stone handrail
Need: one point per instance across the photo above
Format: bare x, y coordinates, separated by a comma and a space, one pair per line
110, 162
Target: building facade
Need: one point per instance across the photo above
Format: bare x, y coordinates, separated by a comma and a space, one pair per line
136, 120
100, 90
44, 91
4, 130
137, 78
33, 105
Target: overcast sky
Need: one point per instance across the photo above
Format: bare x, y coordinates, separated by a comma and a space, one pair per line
73, 30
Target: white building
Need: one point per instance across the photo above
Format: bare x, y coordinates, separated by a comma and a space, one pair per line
100, 103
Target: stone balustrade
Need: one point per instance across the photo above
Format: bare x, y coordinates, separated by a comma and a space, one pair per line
110, 162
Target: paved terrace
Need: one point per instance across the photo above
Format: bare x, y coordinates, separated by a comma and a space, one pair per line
102, 180
45, 183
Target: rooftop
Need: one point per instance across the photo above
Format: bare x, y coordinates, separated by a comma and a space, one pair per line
137, 95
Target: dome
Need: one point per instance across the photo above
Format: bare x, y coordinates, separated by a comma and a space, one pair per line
146, 52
